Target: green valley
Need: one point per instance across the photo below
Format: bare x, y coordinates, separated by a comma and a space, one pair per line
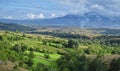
49, 53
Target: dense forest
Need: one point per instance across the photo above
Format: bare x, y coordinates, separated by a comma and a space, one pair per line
64, 52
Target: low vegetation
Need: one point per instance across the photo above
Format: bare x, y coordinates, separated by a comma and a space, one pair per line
34, 52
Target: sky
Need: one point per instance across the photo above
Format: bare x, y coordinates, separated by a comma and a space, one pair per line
41, 9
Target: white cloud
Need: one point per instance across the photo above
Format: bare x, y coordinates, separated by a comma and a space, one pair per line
56, 8
35, 16
53, 15
31, 16
64, 7
73, 1
40, 16
104, 7
8, 17
74, 6
74, 11
96, 6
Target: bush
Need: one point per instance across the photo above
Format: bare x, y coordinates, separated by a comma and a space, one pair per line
46, 55
41, 67
73, 61
73, 43
97, 65
115, 65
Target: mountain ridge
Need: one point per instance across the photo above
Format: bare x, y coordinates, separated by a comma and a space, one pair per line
88, 20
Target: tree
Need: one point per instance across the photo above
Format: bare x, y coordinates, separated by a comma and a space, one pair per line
115, 65
73, 43
45, 42
20, 47
30, 61
97, 65
31, 54
17, 48
73, 61
46, 55
41, 67
24, 47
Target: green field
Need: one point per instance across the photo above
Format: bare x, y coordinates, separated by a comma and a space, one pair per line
39, 57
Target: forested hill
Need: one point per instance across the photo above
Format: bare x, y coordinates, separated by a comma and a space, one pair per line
14, 27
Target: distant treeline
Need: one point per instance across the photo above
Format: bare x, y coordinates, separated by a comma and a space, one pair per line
106, 40
62, 35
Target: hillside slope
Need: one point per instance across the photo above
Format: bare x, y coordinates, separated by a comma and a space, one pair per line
14, 27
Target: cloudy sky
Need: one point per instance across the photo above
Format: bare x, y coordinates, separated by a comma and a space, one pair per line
40, 9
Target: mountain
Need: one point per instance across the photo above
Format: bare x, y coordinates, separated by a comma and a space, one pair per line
14, 27
88, 20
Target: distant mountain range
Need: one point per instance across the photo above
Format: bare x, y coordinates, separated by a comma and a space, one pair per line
88, 20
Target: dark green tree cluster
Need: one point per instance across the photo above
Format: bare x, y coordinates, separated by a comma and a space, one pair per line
46, 55
41, 67
97, 65
73, 61
115, 65
63, 35
73, 43
30, 61
77, 62
20, 47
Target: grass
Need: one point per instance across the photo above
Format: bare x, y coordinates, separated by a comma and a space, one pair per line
35, 43
39, 58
